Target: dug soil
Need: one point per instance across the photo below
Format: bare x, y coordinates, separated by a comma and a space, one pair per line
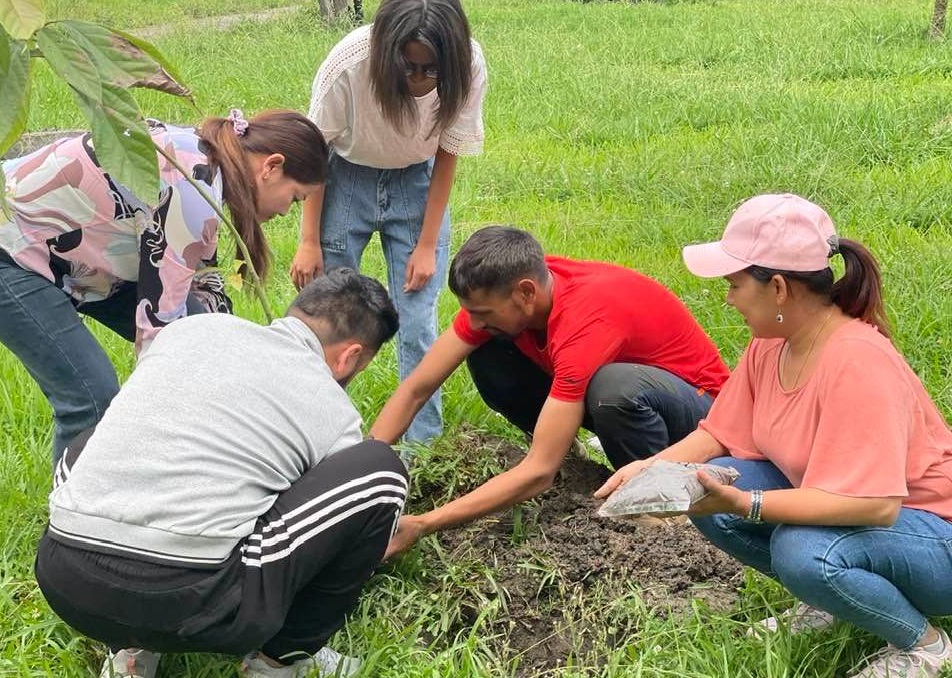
546, 563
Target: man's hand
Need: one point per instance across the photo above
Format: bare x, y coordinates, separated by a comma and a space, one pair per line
409, 530
420, 268
622, 476
308, 264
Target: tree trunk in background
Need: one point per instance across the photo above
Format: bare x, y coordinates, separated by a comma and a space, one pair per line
333, 10
937, 27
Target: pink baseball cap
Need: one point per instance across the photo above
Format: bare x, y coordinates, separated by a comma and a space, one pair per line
780, 231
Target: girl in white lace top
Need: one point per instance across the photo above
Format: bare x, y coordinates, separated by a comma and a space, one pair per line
397, 101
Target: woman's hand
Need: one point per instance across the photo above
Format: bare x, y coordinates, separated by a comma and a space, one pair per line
720, 498
308, 264
421, 266
622, 476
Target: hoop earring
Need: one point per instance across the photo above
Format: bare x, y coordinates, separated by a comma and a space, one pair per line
779, 317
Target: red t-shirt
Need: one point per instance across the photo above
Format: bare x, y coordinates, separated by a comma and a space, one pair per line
602, 314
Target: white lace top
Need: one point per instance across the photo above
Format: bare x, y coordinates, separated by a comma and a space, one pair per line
344, 108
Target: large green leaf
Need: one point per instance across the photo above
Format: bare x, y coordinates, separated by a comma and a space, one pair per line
123, 145
21, 18
118, 60
70, 60
153, 52
14, 90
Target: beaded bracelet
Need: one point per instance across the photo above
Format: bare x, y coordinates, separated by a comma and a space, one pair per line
756, 504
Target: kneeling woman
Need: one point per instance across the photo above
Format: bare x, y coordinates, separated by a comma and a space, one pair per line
845, 493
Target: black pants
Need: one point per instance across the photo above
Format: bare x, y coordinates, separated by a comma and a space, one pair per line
635, 410
285, 589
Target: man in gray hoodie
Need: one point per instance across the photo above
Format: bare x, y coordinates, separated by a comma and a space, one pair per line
227, 501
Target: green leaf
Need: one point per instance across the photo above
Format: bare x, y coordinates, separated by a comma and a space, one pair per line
120, 61
153, 52
14, 90
5, 211
21, 18
122, 141
70, 60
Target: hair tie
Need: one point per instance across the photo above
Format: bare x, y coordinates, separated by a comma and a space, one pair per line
834, 242
237, 119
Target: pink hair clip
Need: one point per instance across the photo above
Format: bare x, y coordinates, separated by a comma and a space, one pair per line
237, 118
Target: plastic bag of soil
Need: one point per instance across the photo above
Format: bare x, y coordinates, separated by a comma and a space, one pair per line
664, 488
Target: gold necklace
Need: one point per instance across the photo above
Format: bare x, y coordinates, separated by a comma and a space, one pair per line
816, 336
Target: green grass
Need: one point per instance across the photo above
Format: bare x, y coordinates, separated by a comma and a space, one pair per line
616, 131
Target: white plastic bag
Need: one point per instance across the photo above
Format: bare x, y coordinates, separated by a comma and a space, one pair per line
664, 488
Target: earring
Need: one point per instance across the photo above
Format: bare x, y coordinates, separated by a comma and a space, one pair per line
779, 317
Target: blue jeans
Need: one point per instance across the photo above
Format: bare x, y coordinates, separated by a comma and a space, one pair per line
42, 328
885, 580
359, 201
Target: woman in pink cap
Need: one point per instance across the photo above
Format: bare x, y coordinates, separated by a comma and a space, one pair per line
845, 493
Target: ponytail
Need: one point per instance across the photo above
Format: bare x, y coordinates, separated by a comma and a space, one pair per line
859, 293
286, 132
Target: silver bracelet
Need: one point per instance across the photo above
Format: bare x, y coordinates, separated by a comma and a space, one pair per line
756, 504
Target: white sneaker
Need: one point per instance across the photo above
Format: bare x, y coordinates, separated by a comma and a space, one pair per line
326, 663
891, 662
130, 663
799, 619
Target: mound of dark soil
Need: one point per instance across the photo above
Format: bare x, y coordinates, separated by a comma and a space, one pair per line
548, 560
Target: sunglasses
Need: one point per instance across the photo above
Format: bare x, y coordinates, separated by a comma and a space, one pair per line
429, 72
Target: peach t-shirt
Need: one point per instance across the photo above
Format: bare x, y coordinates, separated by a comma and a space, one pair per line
861, 425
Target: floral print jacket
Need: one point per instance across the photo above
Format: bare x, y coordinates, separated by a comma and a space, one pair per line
91, 237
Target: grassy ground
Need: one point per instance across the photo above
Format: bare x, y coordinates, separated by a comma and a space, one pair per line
615, 131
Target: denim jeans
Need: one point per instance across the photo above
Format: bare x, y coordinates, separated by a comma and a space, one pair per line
885, 580
359, 201
635, 410
42, 328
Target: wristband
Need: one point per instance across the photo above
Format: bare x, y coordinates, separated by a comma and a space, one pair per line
756, 504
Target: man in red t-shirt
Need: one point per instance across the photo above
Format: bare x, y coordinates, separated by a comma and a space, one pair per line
554, 344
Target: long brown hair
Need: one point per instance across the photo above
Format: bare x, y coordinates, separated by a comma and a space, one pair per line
442, 26
279, 131
859, 293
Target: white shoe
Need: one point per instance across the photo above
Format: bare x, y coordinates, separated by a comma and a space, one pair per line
326, 662
891, 662
131, 663
799, 619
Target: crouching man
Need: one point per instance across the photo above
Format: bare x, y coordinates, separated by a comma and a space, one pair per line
227, 501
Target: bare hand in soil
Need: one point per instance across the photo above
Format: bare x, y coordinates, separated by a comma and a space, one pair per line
622, 476
409, 530
720, 498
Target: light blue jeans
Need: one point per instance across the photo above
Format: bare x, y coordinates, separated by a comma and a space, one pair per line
359, 201
885, 580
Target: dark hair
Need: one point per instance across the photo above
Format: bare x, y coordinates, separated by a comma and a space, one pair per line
441, 25
286, 132
859, 293
494, 259
351, 306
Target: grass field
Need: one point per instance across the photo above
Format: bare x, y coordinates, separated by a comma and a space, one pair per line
615, 131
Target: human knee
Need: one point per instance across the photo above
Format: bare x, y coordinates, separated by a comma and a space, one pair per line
797, 553
382, 457
612, 385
